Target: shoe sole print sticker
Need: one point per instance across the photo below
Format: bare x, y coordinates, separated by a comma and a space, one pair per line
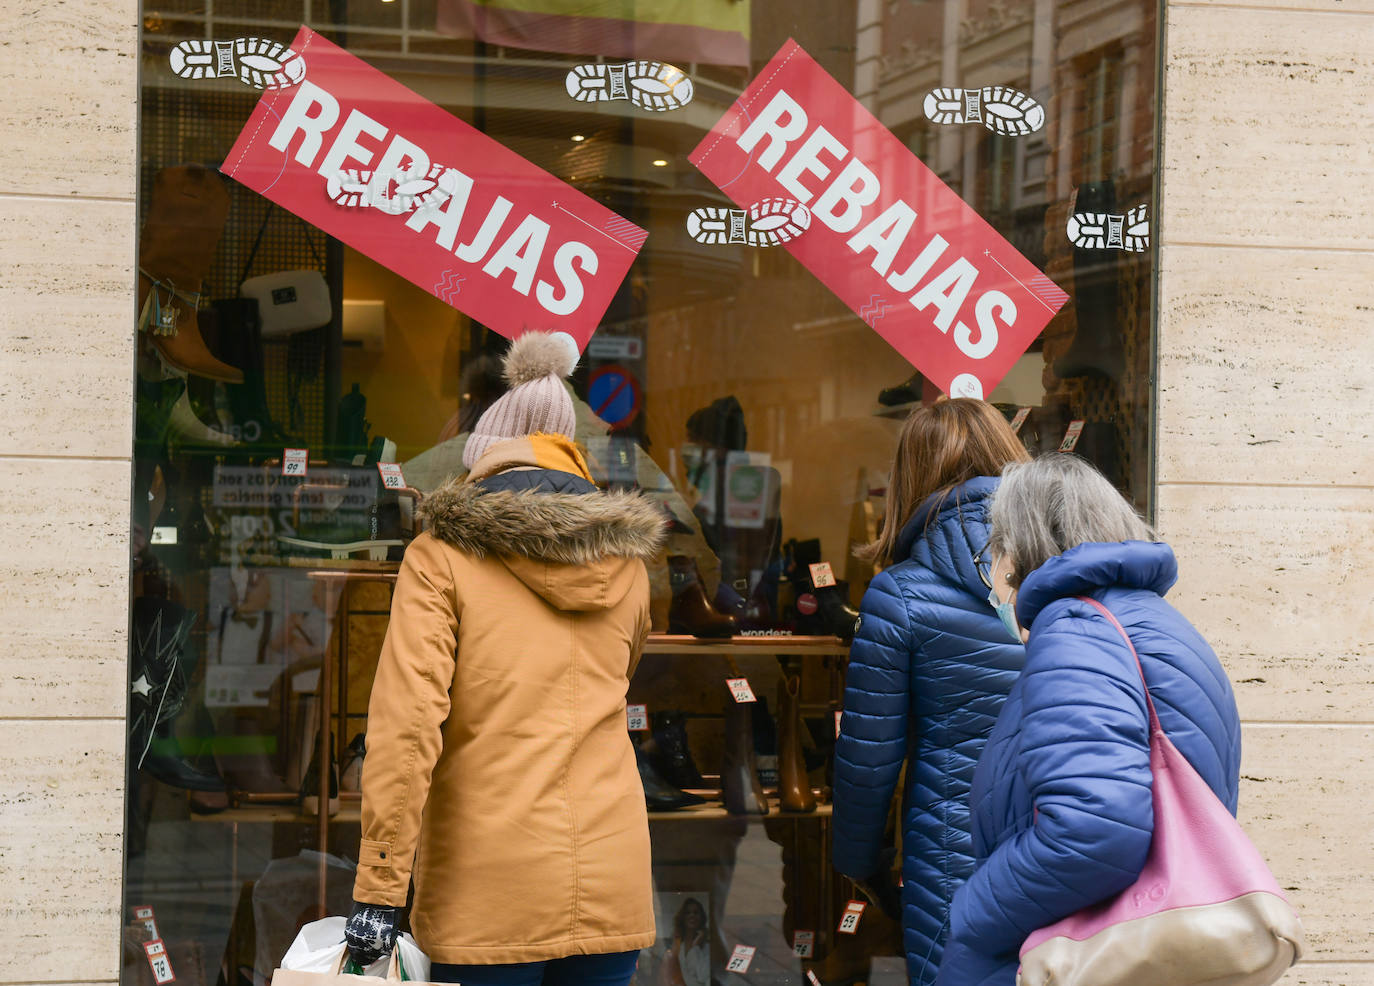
256, 62
655, 86
1106, 231
768, 222
404, 191
1002, 110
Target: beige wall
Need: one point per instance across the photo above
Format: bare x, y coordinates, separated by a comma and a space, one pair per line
1266, 436
69, 72
1265, 455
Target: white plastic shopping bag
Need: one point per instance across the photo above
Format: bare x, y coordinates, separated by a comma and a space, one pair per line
318, 957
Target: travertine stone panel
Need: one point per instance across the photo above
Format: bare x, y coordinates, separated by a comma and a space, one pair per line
1330, 974
61, 818
1297, 6
64, 565
66, 327
1266, 365
1306, 801
1277, 579
69, 72
1266, 138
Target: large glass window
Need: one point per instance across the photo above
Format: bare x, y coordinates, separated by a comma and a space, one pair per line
746, 370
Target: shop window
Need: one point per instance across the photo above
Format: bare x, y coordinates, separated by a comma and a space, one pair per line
280, 361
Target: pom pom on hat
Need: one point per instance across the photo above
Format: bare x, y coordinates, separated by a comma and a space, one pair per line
540, 354
537, 401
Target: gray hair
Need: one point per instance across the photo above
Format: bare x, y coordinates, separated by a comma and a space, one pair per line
1057, 502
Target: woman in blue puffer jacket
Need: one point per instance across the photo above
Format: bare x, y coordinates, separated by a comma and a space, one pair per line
928, 672
1061, 808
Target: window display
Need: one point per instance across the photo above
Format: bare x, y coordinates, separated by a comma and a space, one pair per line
769, 231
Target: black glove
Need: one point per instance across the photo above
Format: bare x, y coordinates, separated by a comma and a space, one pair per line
370, 932
881, 886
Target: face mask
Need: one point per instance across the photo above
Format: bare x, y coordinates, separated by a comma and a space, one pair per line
1006, 612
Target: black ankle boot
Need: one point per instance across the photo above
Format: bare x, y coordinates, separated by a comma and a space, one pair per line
659, 795
674, 757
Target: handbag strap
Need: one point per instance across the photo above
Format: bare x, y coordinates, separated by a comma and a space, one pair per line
1149, 702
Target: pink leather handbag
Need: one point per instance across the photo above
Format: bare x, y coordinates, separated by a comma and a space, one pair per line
1204, 910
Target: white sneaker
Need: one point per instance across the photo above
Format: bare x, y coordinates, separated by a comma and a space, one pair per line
361, 189
1005, 111
1104, 231
766, 223
257, 62
649, 85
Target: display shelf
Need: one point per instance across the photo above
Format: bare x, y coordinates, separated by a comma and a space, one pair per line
291, 814
674, 643
895, 410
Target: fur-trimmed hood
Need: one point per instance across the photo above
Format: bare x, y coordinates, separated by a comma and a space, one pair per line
562, 528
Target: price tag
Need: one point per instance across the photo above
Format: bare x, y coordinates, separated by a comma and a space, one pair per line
145, 917
822, 575
803, 944
1022, 413
637, 717
811, 978
741, 959
391, 475
159, 962
163, 535
740, 690
849, 923
295, 461
1071, 436
839, 717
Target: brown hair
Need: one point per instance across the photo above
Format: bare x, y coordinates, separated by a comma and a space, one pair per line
942, 445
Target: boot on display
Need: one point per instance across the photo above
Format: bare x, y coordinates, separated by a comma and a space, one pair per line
1097, 349
691, 612
659, 795
794, 786
739, 776
673, 757
820, 611
186, 214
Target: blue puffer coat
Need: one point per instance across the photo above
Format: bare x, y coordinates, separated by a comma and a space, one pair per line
1061, 806
929, 670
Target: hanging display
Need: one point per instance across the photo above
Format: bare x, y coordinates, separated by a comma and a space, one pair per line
911, 258
534, 251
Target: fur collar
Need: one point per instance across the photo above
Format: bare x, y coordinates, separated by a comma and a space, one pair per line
564, 528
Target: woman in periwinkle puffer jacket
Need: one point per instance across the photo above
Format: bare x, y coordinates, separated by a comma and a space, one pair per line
1061, 801
929, 669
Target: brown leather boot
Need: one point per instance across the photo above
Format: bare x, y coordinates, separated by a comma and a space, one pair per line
794, 786
186, 215
739, 776
691, 612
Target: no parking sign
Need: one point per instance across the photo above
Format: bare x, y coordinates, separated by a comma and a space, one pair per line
615, 395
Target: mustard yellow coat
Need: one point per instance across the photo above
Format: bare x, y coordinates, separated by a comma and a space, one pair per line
499, 772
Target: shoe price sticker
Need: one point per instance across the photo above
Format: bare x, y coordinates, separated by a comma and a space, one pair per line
637, 717
822, 575
1022, 413
295, 461
803, 944
849, 923
163, 534
159, 962
1071, 436
740, 690
145, 917
811, 978
741, 959
391, 475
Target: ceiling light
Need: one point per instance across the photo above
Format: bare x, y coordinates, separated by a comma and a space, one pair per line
660, 163
578, 138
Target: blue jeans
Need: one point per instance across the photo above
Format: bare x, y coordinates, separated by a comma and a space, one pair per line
614, 969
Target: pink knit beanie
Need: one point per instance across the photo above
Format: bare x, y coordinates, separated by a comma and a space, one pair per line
537, 401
